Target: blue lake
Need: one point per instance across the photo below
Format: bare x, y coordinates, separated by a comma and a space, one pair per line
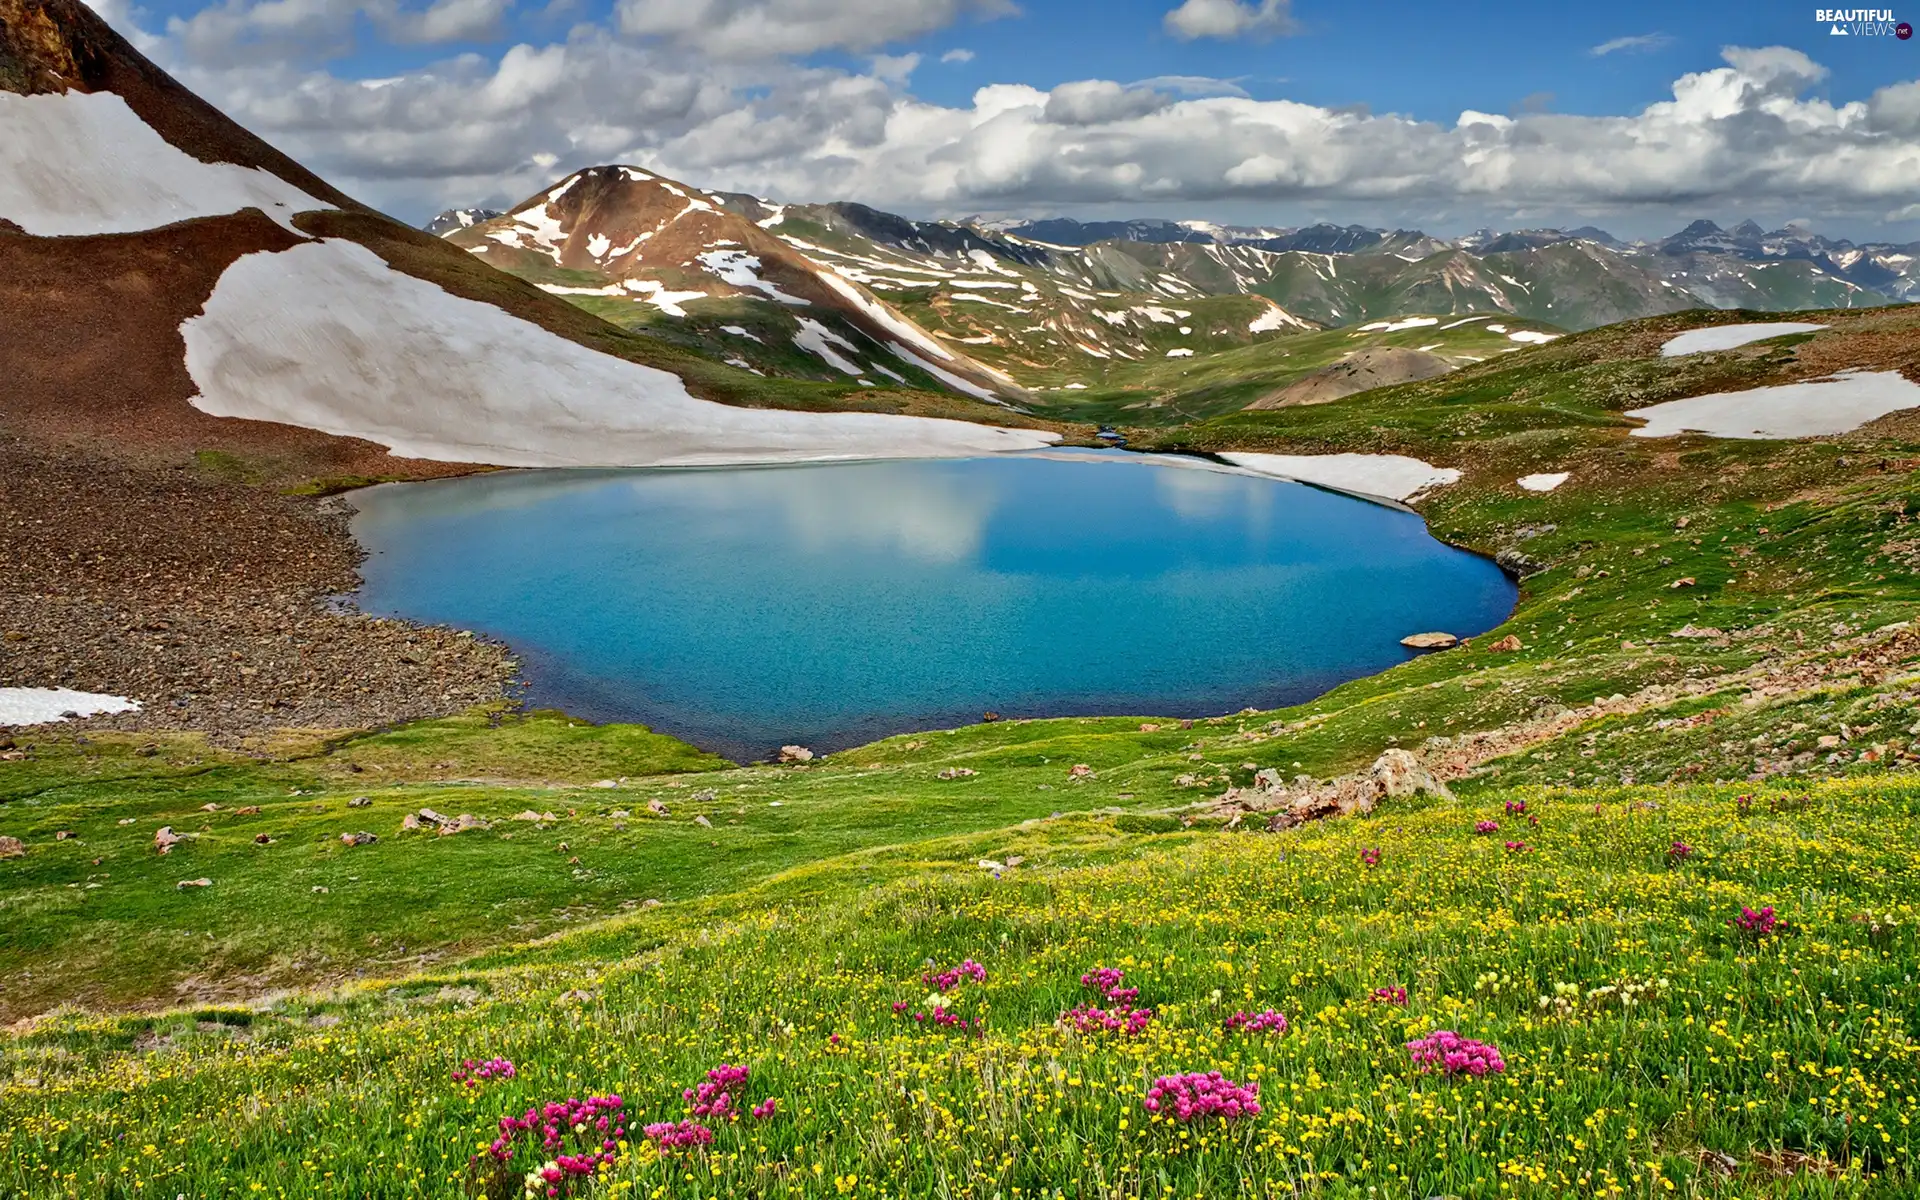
830, 605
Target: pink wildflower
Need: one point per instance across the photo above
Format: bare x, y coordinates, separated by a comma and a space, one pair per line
1267, 1021
1518, 848
679, 1135
1200, 1096
1450, 1054
1392, 994
1679, 852
947, 980
1127, 1022
766, 1108
714, 1096
1370, 857
471, 1074
1485, 827
1762, 923
592, 1127
1516, 807
1110, 983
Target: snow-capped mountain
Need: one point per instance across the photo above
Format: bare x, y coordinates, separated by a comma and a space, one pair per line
460, 218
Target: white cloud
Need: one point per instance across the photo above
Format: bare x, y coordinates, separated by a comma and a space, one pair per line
1230, 19
450, 21
957, 55
1755, 134
895, 68
771, 28
238, 32
1636, 44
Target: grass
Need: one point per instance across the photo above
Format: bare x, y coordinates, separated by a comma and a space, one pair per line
262, 1034
1650, 1048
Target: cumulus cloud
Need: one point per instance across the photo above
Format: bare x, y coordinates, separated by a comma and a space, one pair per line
1230, 19
957, 55
771, 28
1638, 43
276, 31
1755, 133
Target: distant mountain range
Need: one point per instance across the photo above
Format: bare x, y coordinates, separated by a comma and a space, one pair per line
1077, 289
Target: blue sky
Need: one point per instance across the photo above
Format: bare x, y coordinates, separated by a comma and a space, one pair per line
881, 101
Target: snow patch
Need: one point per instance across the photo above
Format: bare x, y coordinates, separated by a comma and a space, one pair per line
1180, 352
75, 163
740, 331
1463, 321
657, 294
742, 270
1835, 404
598, 245
1531, 335
1387, 476
1274, 317
1726, 337
903, 329
43, 706
1543, 482
947, 377
327, 336
1395, 326
818, 340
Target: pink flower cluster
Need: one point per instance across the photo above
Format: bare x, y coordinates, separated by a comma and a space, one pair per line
947, 980
713, 1096
1268, 1021
766, 1108
940, 1015
1198, 1095
1516, 807
1450, 1054
1757, 924
1124, 1021
473, 1074
595, 1126
1110, 982
1679, 852
1370, 857
1392, 994
679, 1135
1518, 848
1484, 827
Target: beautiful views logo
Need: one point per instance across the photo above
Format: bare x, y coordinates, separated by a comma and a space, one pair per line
1862, 22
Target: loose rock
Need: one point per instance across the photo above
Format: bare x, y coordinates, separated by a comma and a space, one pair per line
1430, 641
795, 754
12, 847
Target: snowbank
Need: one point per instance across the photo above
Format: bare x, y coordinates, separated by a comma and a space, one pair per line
74, 163
1726, 337
1543, 482
1822, 406
1390, 476
42, 706
328, 337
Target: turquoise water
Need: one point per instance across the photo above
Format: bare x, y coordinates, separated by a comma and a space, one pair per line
829, 605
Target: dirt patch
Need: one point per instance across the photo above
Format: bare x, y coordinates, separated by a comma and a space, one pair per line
1378, 366
207, 600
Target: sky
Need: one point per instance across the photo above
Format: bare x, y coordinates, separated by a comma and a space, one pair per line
1635, 115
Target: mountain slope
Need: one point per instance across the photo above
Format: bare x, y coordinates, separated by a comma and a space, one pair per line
169, 281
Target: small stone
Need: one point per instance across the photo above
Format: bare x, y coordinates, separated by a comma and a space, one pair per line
194, 883
1430, 641
1149, 728
957, 773
362, 838
704, 796
165, 839
605, 783
1506, 645
62, 835
618, 814
703, 822
657, 808
795, 754
359, 802
12, 847
321, 890
1685, 582
251, 810
261, 839
1079, 771
209, 808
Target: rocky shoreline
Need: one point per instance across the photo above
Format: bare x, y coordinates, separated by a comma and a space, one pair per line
210, 601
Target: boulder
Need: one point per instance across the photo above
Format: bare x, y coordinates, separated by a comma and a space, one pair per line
1395, 773
430, 817
165, 839
359, 802
461, 824
795, 754
12, 847
1429, 641
1506, 645
658, 809
957, 773
362, 838
703, 822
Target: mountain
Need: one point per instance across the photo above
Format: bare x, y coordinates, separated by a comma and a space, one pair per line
695, 268
169, 282
460, 218
843, 290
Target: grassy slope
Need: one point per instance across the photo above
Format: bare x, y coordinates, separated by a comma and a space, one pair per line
816, 912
